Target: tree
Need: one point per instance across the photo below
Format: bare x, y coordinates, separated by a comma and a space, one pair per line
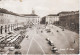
43, 21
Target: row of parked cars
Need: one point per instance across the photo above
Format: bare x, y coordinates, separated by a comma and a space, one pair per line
53, 48
12, 36
20, 28
17, 45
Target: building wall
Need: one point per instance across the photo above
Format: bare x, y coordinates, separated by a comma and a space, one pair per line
68, 13
70, 22
11, 21
52, 19
33, 19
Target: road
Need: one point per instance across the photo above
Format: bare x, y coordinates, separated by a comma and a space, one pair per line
36, 42
64, 40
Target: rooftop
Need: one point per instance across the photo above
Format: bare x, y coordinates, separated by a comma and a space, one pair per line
65, 12
7, 12
53, 15
29, 15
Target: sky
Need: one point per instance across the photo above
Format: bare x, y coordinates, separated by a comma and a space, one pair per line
41, 7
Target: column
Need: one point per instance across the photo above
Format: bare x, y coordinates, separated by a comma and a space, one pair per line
8, 28
11, 27
5, 28
1, 29
17, 25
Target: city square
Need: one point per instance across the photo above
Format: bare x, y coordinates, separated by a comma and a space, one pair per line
26, 28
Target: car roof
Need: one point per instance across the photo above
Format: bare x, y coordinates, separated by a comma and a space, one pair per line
51, 41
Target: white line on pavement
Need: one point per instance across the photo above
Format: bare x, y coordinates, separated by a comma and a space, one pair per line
40, 47
37, 43
30, 45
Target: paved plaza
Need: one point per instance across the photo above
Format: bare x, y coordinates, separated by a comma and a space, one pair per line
36, 43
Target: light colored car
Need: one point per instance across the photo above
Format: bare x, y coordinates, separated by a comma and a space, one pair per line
11, 49
47, 39
9, 39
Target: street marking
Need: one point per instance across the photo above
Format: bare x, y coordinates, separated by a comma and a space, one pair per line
30, 45
40, 47
37, 43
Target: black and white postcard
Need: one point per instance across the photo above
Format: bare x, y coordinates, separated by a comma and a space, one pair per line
39, 27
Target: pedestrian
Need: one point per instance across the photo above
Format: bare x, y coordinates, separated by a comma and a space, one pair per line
27, 36
74, 41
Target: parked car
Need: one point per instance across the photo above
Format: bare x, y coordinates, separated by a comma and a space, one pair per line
27, 36
48, 30
30, 27
57, 31
8, 39
2, 51
17, 53
50, 43
11, 49
54, 49
17, 46
62, 29
10, 33
16, 29
47, 39
41, 31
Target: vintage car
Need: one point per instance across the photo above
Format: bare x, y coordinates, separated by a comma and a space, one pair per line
54, 49
50, 43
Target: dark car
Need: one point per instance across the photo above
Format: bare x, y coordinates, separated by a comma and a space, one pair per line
16, 29
57, 31
48, 30
62, 29
41, 31
17, 46
30, 27
17, 53
2, 51
50, 43
10, 33
54, 49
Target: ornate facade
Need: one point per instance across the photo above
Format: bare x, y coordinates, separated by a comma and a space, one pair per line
8, 22
32, 18
50, 19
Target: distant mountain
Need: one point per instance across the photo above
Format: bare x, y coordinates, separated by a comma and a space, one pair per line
2, 10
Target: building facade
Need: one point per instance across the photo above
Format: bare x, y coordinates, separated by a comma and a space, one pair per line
9, 22
50, 19
32, 18
67, 13
69, 20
